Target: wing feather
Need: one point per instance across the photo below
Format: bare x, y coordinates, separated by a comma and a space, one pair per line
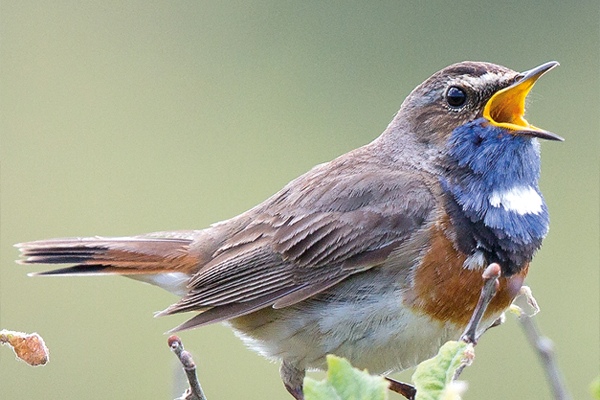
307, 238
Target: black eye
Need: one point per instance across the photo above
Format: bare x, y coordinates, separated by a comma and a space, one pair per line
455, 96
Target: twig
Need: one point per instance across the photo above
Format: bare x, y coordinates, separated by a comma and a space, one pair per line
194, 392
488, 291
490, 286
545, 350
402, 388
471, 334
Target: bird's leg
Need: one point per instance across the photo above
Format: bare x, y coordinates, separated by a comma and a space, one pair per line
401, 388
292, 378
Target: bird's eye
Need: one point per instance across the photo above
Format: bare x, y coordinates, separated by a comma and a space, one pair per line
455, 96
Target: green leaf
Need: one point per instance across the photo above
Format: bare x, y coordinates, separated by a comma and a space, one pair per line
595, 388
433, 376
344, 382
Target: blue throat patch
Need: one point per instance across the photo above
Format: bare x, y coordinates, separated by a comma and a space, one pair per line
494, 200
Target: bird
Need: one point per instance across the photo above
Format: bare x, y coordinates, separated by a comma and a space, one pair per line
375, 256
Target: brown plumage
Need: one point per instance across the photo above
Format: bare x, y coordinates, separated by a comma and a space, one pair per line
361, 256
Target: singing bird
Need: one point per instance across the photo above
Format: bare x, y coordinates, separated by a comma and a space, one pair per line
375, 256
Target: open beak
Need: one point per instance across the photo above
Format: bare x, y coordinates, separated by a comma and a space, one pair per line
506, 108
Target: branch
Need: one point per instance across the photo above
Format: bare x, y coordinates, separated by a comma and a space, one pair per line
194, 392
471, 334
488, 291
404, 389
490, 286
545, 350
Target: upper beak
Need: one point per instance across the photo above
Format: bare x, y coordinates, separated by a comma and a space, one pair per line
506, 108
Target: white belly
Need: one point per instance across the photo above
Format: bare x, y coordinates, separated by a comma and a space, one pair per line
378, 333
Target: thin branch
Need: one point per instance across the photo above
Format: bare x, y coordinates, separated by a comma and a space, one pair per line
545, 351
471, 334
402, 388
194, 392
490, 286
488, 291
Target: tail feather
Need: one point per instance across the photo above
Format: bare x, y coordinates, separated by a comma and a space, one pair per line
98, 255
75, 270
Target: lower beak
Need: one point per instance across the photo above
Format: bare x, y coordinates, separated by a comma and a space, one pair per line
506, 108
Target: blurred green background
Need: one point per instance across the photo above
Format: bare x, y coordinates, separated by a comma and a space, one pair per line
120, 118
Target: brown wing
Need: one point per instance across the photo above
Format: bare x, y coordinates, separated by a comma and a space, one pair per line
317, 231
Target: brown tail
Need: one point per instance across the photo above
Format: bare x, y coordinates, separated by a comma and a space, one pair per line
123, 256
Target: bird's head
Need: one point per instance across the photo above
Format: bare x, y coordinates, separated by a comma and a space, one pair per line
469, 118
468, 91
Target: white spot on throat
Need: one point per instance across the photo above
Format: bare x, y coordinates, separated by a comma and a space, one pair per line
520, 199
